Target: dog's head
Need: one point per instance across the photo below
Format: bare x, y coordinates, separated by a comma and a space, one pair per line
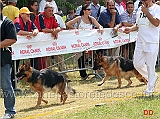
24, 71
97, 62
102, 61
68, 89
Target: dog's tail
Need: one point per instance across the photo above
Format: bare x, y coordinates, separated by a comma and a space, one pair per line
69, 89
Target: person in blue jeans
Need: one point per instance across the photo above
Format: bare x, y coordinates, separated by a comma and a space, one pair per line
8, 37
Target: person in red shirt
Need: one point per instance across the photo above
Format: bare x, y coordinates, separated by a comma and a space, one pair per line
46, 22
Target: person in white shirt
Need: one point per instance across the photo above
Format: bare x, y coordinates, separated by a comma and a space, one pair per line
147, 44
119, 6
60, 21
136, 4
104, 6
43, 3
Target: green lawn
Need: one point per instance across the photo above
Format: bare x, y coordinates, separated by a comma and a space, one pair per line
127, 109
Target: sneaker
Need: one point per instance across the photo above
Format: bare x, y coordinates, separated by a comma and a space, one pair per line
148, 93
7, 116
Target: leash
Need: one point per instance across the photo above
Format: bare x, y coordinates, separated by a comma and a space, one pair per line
115, 35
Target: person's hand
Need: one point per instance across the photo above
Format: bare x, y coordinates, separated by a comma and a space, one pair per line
127, 30
115, 29
100, 30
113, 11
144, 8
35, 32
29, 36
55, 32
56, 36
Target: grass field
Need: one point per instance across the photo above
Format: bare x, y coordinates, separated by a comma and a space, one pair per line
90, 101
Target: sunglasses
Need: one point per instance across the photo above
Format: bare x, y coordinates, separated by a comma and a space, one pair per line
89, 9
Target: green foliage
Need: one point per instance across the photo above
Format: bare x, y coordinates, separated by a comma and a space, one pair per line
101, 2
22, 3
68, 5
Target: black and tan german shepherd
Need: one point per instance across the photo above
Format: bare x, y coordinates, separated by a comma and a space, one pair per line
117, 66
45, 80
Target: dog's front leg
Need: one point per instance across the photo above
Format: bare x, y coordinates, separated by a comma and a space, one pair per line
40, 95
119, 81
63, 97
103, 80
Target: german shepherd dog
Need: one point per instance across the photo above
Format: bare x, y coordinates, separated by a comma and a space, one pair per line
45, 80
119, 67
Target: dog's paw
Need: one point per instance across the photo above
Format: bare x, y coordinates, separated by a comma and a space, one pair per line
118, 86
127, 86
100, 83
37, 106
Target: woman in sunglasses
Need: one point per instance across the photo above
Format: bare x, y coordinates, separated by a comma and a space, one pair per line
84, 21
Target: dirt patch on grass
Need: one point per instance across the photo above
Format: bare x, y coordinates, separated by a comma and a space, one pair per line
87, 96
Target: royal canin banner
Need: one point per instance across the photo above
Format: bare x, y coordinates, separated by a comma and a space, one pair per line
69, 41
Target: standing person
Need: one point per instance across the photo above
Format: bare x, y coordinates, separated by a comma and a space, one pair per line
46, 22
44, 2
136, 4
109, 18
79, 8
128, 19
85, 23
33, 6
59, 58
11, 11
147, 44
95, 8
8, 37
103, 7
119, 6
24, 26
71, 15
123, 3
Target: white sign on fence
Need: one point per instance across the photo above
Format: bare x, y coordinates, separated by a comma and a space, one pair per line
69, 41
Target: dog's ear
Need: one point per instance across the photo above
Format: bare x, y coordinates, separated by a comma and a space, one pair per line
28, 64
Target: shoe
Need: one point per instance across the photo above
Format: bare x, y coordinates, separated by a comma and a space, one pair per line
148, 93
8, 116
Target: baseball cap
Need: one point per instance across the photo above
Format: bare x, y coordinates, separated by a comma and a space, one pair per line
13, 1
24, 10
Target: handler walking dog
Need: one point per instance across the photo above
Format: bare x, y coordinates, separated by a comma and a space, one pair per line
117, 66
45, 80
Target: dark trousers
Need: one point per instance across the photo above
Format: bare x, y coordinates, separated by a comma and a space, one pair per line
81, 64
13, 72
34, 63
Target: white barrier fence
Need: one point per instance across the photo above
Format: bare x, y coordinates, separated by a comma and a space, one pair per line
69, 41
